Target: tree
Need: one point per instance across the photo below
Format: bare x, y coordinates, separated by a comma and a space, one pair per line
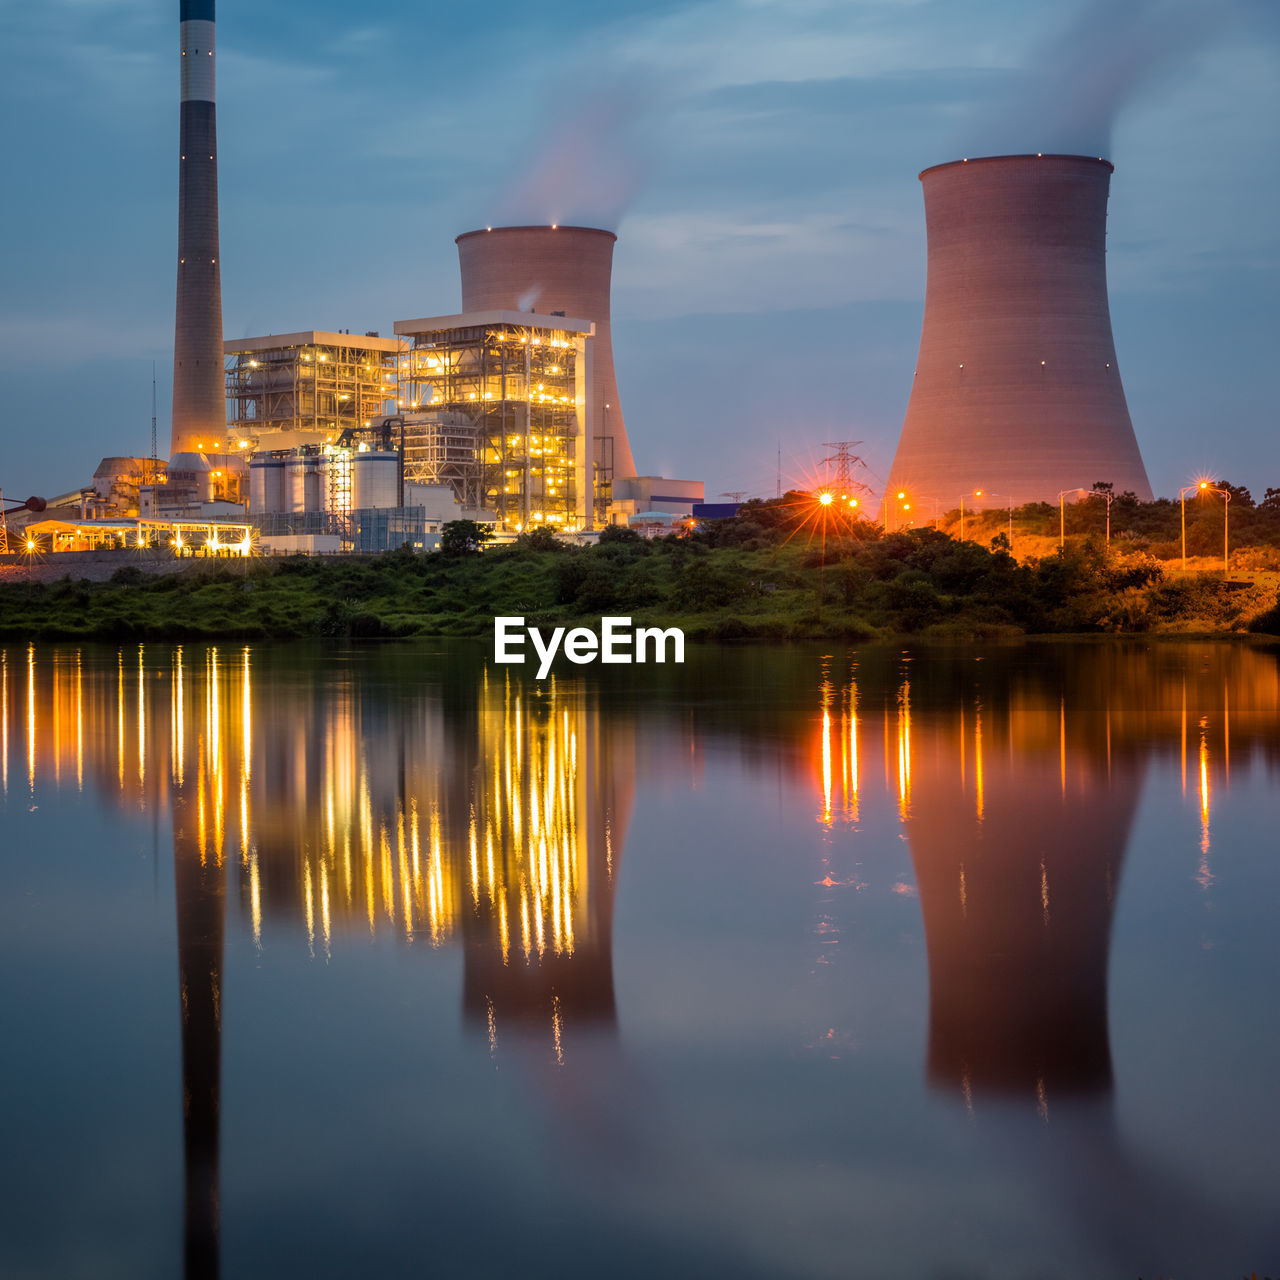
1239, 494
463, 537
541, 539
618, 533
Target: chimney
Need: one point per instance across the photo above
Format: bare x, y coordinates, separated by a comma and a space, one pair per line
199, 391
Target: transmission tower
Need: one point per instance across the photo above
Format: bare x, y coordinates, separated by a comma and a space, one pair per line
735, 495
844, 460
4, 528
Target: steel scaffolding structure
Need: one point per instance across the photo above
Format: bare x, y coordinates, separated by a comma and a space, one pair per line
443, 448
312, 382
512, 387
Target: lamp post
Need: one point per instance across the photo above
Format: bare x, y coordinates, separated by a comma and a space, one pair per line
900, 496
936, 505
991, 493
977, 493
906, 499
1062, 511
1204, 486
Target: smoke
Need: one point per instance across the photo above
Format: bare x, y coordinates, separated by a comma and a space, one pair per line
1075, 86
526, 300
590, 155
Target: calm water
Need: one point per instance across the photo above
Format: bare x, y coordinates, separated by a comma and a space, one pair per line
791, 962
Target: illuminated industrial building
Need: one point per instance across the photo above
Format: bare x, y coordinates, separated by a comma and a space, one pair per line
305, 388
516, 386
635, 497
349, 495
201, 537
441, 449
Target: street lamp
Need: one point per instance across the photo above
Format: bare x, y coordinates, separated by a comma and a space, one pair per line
1062, 511
977, 493
901, 494
907, 499
1204, 486
991, 493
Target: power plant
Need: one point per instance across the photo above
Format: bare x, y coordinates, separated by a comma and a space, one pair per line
508, 410
1017, 389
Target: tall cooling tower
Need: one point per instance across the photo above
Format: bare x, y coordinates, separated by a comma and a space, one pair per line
1017, 390
199, 385
552, 269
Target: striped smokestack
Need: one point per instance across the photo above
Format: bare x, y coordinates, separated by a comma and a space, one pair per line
199, 395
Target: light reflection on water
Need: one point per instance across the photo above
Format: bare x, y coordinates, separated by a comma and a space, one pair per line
333, 802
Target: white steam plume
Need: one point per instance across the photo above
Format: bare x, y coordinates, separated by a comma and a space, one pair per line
1075, 86
590, 156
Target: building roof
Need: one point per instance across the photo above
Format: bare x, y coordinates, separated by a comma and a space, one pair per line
131, 524
309, 338
479, 319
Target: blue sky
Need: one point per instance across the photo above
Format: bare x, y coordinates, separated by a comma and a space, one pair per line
758, 159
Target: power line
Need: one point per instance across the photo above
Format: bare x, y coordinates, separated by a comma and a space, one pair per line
845, 460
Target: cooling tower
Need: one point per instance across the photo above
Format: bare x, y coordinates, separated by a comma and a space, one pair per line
566, 269
199, 391
1017, 390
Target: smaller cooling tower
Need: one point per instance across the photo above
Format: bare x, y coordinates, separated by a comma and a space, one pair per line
549, 269
1017, 389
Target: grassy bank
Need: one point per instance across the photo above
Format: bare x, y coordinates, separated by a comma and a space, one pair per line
745, 578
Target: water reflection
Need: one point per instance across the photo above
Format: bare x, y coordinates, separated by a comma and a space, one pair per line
1018, 813
461, 807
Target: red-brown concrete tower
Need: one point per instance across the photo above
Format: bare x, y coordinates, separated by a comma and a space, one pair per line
1017, 390
553, 268
199, 384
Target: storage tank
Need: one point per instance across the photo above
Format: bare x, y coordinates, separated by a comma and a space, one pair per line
1017, 389
375, 480
267, 485
306, 477
190, 477
553, 268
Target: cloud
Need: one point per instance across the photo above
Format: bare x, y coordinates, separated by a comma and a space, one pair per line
719, 261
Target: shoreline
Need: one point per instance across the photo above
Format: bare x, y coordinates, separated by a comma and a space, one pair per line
920, 587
